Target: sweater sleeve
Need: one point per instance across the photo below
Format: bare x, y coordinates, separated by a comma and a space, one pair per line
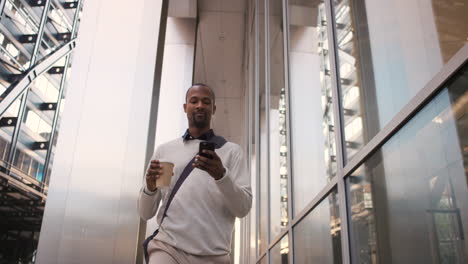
148, 202
235, 185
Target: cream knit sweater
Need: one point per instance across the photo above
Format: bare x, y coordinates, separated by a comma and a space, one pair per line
201, 216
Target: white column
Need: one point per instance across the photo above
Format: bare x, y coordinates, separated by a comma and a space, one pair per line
176, 77
90, 214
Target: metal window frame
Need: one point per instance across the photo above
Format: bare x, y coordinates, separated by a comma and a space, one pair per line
417, 102
267, 120
286, 38
2, 7
60, 97
339, 130
257, 126
24, 96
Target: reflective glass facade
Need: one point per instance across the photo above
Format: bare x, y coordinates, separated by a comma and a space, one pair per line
358, 147
36, 40
408, 201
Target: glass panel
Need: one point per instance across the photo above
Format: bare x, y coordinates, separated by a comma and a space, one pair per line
387, 52
409, 201
279, 254
251, 238
57, 30
263, 260
312, 126
263, 155
277, 127
34, 167
36, 128
6, 131
253, 214
40, 172
23, 27
317, 238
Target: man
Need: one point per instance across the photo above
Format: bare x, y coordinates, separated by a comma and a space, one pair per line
199, 221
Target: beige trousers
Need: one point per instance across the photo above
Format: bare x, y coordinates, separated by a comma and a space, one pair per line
162, 253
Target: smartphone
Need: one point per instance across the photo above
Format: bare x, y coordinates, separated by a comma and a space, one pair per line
206, 145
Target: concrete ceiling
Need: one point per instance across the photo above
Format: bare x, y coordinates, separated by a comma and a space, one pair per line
219, 60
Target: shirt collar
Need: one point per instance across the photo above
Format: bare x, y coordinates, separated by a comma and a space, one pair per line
207, 136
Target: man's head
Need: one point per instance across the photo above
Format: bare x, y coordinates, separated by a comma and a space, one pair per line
199, 105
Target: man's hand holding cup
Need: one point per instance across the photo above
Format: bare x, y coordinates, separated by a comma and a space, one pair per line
152, 174
159, 174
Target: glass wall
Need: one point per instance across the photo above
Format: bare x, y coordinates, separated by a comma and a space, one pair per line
409, 200
387, 52
313, 145
317, 238
277, 110
263, 131
280, 252
360, 146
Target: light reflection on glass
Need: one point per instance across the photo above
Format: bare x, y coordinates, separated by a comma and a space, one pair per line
279, 254
312, 125
387, 52
317, 238
408, 202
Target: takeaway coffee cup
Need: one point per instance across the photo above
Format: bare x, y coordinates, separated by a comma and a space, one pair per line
167, 172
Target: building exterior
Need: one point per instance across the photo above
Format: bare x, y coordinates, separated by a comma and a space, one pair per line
358, 155
358, 152
36, 40
352, 113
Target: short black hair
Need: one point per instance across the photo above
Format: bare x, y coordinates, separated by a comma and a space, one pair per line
201, 84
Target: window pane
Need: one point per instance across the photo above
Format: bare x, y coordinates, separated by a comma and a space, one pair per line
263, 155
277, 127
18, 159
26, 164
388, 50
317, 238
6, 132
409, 201
34, 167
312, 126
279, 254
253, 141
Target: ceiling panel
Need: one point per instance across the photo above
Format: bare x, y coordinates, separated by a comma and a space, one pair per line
220, 52
218, 62
222, 5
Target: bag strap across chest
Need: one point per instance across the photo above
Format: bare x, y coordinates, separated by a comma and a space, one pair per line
219, 142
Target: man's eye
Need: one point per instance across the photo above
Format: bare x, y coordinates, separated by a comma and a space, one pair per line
207, 101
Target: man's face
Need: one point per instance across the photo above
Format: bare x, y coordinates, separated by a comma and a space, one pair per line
199, 107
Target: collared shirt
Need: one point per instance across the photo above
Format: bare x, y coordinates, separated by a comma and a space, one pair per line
206, 136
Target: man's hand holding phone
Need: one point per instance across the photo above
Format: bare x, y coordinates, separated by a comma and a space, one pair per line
209, 161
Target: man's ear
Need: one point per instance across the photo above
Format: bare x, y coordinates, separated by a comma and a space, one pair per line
214, 109
185, 108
